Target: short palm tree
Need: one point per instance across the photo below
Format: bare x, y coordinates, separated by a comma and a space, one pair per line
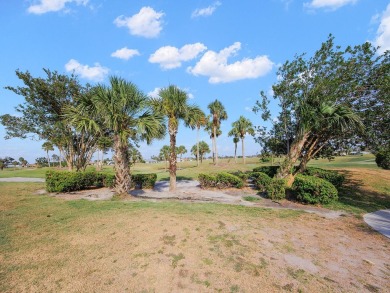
241, 127
200, 149
173, 104
197, 120
218, 113
48, 146
124, 111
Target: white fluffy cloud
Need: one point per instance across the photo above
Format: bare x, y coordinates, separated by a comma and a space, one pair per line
328, 4
125, 53
171, 57
383, 32
206, 11
94, 73
146, 23
44, 6
215, 65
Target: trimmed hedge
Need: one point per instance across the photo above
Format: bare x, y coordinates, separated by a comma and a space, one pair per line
277, 189
243, 176
269, 170
220, 180
311, 189
143, 181
382, 159
71, 181
329, 175
65, 181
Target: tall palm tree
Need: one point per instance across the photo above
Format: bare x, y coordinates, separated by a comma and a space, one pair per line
241, 127
217, 110
197, 119
236, 139
48, 146
124, 111
173, 104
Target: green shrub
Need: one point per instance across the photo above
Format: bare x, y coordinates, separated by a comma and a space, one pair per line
382, 159
269, 170
143, 181
109, 180
220, 180
226, 180
206, 180
329, 175
276, 189
71, 181
261, 180
242, 175
311, 189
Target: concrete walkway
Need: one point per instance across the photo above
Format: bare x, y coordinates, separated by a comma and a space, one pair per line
379, 221
21, 179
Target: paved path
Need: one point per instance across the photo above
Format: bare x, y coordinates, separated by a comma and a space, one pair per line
379, 221
21, 179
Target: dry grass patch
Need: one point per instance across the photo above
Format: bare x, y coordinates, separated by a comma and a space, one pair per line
51, 245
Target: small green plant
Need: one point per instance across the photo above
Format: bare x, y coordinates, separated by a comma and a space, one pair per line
251, 198
313, 190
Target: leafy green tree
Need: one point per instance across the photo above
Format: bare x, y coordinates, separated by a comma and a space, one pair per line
218, 113
41, 116
201, 148
41, 162
240, 128
319, 96
173, 104
197, 119
48, 146
23, 162
124, 111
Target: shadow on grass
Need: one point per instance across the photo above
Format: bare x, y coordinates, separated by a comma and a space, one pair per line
354, 197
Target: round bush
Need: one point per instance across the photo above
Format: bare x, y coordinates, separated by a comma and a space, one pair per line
329, 175
313, 190
382, 159
261, 180
269, 170
276, 189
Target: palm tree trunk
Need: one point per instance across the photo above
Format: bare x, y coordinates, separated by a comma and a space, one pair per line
121, 160
235, 152
213, 148
215, 145
48, 158
197, 147
172, 164
243, 150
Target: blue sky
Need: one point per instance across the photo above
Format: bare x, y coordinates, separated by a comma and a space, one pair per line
225, 50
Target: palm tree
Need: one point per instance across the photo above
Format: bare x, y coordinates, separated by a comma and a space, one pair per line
124, 111
164, 154
181, 150
217, 110
240, 128
48, 146
173, 104
197, 120
210, 130
200, 149
236, 139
